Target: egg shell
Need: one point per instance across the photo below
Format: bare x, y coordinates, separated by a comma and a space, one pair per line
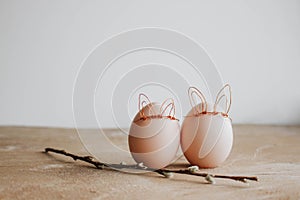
154, 142
206, 140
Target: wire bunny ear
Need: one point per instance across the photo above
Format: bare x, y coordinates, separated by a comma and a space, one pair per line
143, 103
169, 104
192, 91
220, 96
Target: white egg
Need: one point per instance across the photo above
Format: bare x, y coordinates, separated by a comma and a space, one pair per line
206, 139
154, 141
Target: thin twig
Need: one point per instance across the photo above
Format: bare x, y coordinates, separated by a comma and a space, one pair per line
165, 172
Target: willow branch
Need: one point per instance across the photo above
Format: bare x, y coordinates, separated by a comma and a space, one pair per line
193, 171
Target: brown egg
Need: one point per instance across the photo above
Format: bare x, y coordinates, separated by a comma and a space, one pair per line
206, 140
154, 141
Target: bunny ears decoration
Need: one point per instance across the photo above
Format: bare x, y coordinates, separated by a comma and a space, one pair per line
167, 104
192, 91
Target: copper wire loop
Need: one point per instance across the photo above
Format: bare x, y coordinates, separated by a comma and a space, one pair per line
194, 91
219, 97
221, 94
168, 102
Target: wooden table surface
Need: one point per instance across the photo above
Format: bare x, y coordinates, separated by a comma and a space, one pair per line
270, 152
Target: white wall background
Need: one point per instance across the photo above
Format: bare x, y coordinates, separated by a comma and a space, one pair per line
255, 45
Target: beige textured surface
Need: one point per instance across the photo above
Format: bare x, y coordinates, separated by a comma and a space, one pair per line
270, 152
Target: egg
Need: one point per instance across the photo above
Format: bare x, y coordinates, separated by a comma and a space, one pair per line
154, 141
206, 139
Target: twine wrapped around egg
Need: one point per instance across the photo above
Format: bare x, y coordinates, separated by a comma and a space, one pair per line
206, 133
154, 135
